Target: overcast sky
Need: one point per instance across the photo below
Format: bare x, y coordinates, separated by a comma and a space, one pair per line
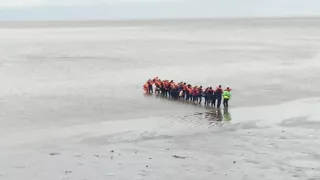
149, 9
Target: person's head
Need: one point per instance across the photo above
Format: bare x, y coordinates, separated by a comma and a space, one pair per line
219, 86
200, 86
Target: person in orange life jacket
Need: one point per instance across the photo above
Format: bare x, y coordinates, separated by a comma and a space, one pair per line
169, 88
161, 88
146, 87
166, 88
195, 94
188, 92
158, 86
179, 90
213, 100
184, 88
210, 95
200, 91
150, 86
218, 95
173, 91
155, 79
206, 96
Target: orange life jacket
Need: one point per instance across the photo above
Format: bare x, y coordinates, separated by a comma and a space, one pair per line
158, 84
166, 84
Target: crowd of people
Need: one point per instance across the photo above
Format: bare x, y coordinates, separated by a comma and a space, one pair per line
181, 90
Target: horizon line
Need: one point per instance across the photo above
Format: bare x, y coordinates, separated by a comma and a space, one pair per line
161, 19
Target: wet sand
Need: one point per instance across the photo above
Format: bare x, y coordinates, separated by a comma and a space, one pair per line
72, 106
270, 142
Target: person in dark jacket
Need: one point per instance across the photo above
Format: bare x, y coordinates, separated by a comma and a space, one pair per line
210, 95
218, 95
206, 96
213, 101
200, 90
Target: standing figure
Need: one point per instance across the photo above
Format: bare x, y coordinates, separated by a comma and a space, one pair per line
200, 91
210, 96
150, 83
218, 95
226, 97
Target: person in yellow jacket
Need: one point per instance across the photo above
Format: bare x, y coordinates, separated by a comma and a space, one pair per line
226, 97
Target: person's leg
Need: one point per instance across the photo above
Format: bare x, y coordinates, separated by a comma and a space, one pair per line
209, 100
227, 103
224, 102
219, 103
214, 102
176, 94
200, 98
205, 100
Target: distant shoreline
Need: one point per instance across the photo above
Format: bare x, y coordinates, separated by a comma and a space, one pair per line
142, 22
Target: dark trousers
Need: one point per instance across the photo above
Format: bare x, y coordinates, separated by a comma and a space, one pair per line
225, 102
162, 91
150, 89
206, 100
187, 96
165, 92
195, 98
157, 90
219, 102
200, 98
213, 102
209, 99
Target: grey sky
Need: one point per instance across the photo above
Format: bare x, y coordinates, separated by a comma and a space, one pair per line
146, 9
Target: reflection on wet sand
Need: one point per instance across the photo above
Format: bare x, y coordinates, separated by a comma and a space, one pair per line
216, 117
226, 115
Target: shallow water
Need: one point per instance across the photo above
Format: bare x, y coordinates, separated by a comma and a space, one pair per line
77, 92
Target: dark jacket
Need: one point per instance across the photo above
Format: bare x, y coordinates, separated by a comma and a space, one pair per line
218, 93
